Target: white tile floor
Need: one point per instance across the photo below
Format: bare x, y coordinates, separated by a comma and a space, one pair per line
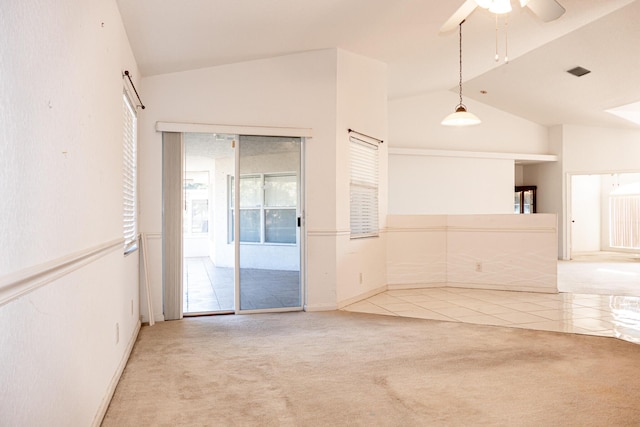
603, 315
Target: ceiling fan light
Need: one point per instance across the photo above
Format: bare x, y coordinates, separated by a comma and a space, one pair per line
461, 117
485, 4
500, 7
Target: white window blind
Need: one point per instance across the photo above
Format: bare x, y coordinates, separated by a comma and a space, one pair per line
364, 188
624, 223
129, 185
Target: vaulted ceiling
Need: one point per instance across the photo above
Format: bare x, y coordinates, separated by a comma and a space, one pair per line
600, 35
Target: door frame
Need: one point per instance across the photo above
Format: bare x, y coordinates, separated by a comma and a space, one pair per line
568, 224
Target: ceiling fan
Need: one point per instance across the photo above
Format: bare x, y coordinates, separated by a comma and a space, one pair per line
546, 10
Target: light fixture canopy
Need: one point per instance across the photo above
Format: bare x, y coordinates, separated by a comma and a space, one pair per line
461, 117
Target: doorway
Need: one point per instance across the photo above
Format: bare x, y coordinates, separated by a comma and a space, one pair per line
603, 256
207, 284
253, 264
593, 224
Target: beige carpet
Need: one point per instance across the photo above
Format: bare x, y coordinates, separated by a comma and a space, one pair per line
353, 369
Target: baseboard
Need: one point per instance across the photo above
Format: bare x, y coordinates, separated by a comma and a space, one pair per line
102, 410
320, 307
497, 287
396, 286
360, 297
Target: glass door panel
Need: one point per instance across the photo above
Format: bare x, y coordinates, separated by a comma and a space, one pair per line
208, 254
269, 249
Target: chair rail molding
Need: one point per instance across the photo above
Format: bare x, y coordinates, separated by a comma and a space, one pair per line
22, 282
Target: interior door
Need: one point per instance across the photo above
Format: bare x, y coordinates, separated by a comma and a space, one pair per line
269, 244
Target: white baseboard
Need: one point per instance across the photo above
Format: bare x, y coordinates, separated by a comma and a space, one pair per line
320, 307
102, 410
360, 297
396, 286
511, 288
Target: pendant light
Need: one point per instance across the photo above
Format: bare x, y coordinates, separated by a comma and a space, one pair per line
461, 117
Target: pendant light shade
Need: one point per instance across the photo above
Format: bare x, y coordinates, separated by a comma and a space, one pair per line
461, 117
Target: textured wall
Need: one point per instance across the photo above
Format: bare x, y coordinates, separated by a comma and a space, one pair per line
61, 192
506, 252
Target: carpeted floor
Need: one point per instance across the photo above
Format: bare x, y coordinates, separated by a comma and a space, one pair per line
353, 369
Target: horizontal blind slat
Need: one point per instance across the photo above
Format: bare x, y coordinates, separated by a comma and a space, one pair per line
129, 193
363, 189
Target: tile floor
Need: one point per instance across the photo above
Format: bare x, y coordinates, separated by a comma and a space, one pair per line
211, 289
603, 315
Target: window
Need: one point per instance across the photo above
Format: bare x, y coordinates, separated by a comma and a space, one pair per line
268, 205
624, 219
129, 187
364, 189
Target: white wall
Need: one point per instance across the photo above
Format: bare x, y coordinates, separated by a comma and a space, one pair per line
504, 251
595, 149
449, 185
61, 173
519, 175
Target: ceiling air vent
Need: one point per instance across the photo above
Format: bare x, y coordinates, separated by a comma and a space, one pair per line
578, 71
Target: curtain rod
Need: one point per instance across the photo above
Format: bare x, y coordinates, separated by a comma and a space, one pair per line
364, 134
126, 73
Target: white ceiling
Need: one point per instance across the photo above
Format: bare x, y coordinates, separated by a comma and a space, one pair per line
600, 35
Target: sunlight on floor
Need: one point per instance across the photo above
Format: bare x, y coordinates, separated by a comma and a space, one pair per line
602, 315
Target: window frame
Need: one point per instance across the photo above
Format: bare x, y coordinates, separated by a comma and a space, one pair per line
262, 208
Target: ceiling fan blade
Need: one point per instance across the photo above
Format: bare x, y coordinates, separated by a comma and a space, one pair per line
546, 10
459, 16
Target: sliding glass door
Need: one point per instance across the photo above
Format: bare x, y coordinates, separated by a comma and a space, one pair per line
211, 262
269, 211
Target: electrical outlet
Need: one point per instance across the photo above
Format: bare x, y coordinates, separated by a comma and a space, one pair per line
478, 266
361, 278
117, 333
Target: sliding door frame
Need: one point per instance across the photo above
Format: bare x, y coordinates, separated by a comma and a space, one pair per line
172, 245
